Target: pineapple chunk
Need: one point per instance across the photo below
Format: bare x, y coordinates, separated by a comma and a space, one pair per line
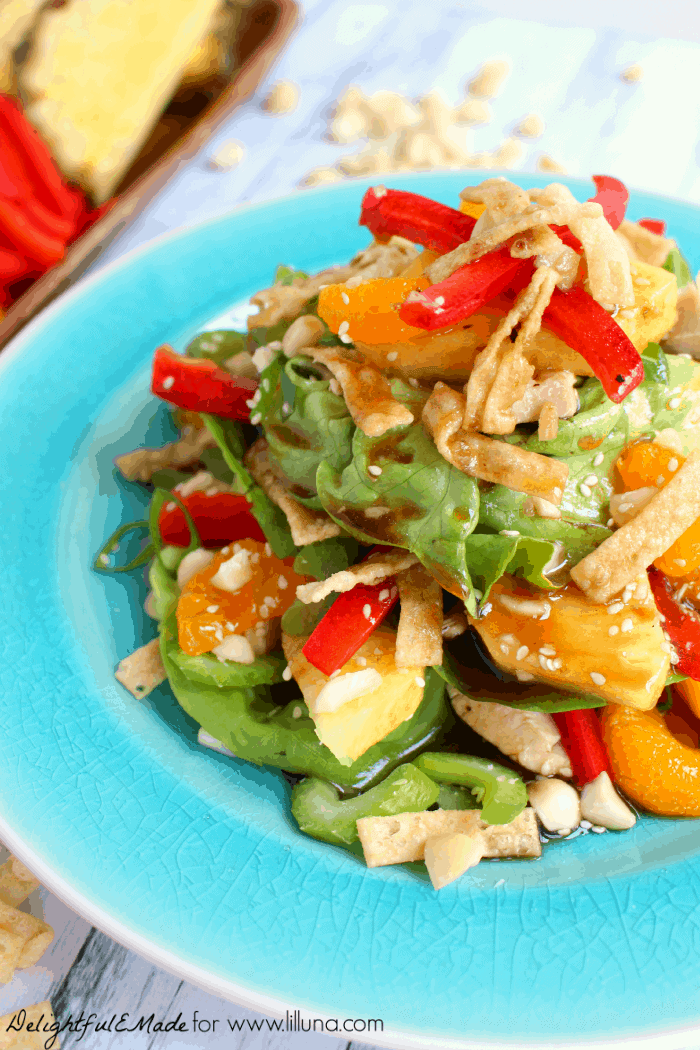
654, 310
349, 723
616, 651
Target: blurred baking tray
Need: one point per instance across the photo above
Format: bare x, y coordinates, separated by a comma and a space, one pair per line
268, 27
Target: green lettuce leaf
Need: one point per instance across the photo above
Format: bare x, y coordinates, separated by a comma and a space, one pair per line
305, 425
217, 346
326, 557
207, 669
419, 501
268, 515
676, 264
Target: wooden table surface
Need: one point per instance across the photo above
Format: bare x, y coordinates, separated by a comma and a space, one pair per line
566, 67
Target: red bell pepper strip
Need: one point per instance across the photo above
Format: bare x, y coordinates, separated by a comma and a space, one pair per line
419, 219
586, 327
465, 291
583, 742
682, 627
200, 386
18, 136
349, 622
219, 518
612, 196
657, 226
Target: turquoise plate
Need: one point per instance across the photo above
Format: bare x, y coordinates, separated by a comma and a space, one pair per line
191, 858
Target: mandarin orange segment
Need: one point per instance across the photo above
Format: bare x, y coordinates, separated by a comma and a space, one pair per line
651, 766
206, 614
472, 208
645, 463
683, 556
369, 312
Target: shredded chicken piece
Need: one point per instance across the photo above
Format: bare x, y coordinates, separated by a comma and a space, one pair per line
142, 463
548, 423
306, 525
557, 388
488, 459
528, 737
419, 637
377, 567
367, 393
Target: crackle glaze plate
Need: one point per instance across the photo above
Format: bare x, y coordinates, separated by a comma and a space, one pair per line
192, 858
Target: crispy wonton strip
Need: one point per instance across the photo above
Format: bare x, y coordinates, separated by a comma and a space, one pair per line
549, 250
502, 199
608, 264
35, 936
367, 393
555, 215
642, 245
419, 637
306, 525
395, 840
36, 1031
515, 371
483, 457
633, 548
376, 568
142, 463
142, 671
16, 882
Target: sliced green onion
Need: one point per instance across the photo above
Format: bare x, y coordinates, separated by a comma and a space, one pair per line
101, 562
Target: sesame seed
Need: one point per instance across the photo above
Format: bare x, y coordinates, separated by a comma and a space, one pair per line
104, 559
377, 651
275, 345
383, 595
612, 631
597, 829
543, 662
345, 339
610, 522
591, 480
673, 464
297, 712
501, 779
361, 660
367, 611
597, 678
547, 650
439, 300
374, 470
255, 419
598, 460
556, 664
171, 505
584, 489
286, 408
586, 825
660, 480
343, 328
231, 626
420, 682
212, 608
680, 562
674, 402
345, 297
522, 652
615, 608
287, 674
624, 507
392, 356
509, 532
168, 382
627, 625
268, 550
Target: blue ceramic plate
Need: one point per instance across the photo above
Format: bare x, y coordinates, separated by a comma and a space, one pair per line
192, 858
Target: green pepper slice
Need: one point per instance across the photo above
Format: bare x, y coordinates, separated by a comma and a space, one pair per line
320, 813
500, 792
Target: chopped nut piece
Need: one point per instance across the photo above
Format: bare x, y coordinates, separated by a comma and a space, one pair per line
530, 127
489, 79
228, 155
547, 163
142, 671
632, 74
449, 856
282, 97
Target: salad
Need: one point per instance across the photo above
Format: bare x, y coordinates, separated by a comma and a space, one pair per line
429, 540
